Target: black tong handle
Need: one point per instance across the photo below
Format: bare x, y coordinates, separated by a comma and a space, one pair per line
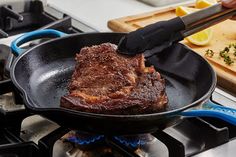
150, 36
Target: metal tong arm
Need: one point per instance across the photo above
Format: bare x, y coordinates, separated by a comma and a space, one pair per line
205, 18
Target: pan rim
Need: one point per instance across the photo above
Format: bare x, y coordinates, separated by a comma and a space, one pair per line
27, 100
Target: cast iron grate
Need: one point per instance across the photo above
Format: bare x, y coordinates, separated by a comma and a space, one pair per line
33, 17
12, 146
27, 149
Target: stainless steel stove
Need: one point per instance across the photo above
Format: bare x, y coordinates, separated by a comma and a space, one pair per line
25, 134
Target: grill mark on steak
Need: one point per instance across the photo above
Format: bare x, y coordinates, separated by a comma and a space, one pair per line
107, 82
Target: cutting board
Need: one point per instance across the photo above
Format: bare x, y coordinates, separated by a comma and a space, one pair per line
223, 34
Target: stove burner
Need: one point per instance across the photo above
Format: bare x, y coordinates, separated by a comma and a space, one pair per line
84, 139
87, 139
135, 141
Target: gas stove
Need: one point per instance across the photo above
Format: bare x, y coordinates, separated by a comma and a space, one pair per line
25, 134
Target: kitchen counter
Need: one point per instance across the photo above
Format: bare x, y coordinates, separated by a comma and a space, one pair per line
96, 13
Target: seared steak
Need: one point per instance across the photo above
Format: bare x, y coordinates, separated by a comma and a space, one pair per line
110, 83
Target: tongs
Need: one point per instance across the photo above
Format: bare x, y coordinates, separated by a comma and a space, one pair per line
153, 38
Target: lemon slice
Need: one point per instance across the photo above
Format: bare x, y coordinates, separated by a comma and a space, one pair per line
205, 3
181, 10
201, 38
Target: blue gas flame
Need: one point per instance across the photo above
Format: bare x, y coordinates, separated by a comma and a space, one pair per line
86, 141
130, 142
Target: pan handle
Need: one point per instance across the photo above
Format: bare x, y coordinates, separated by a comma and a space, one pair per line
32, 36
211, 109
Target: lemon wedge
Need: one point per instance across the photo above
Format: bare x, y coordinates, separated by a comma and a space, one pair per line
205, 3
201, 38
181, 10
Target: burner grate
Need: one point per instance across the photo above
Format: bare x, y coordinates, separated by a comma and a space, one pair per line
11, 146
27, 149
33, 17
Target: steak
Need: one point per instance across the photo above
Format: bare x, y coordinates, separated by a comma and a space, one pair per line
110, 83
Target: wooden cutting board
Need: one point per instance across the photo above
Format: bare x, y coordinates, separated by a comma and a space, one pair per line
223, 34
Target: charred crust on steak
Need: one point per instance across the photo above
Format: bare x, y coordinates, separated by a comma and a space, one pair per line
110, 83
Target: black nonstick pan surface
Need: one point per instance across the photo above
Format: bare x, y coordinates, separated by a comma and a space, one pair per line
42, 73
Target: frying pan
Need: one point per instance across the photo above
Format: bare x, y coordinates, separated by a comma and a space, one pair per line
41, 74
